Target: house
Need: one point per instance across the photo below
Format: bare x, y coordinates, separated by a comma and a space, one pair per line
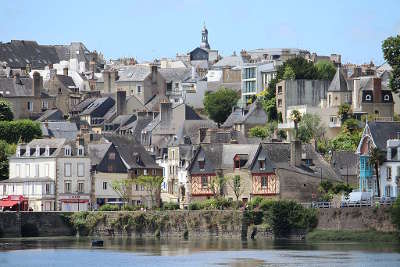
59, 129
95, 113
53, 174
118, 157
390, 170
27, 97
243, 119
381, 135
346, 165
51, 115
174, 78
270, 170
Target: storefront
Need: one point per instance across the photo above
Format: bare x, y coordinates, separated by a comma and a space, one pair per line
14, 203
75, 203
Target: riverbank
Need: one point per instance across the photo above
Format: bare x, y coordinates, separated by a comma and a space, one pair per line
353, 236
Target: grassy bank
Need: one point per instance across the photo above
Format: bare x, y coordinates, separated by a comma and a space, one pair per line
348, 235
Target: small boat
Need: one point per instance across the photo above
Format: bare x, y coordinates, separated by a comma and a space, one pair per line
97, 243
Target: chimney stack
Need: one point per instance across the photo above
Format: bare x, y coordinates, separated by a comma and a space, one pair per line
121, 102
202, 135
37, 84
165, 111
295, 153
377, 90
65, 71
17, 78
154, 73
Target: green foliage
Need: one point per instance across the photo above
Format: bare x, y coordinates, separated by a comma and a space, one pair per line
376, 158
219, 104
395, 214
310, 127
109, 207
152, 185
328, 190
218, 203
85, 222
235, 184
391, 53
289, 73
325, 70
344, 111
6, 113
254, 202
170, 206
301, 67
25, 130
6, 150
122, 187
348, 138
264, 132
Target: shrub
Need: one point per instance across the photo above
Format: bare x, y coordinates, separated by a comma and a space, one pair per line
195, 206
395, 214
24, 130
170, 206
255, 202
109, 207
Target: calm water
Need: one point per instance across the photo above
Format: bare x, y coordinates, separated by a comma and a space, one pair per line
68, 252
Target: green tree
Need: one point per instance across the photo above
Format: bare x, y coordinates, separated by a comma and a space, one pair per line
6, 150
344, 112
376, 158
310, 127
24, 130
153, 187
6, 113
235, 184
303, 69
391, 53
325, 70
123, 188
264, 132
295, 116
289, 73
219, 104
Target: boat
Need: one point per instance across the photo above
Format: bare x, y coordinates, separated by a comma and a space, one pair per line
97, 243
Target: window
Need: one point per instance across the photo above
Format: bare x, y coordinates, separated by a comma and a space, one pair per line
67, 187
368, 98
279, 89
67, 151
45, 104
279, 103
144, 172
27, 170
67, 169
389, 173
81, 151
154, 172
388, 191
18, 170
36, 170
201, 164
136, 187
47, 151
81, 169
30, 106
47, 189
104, 185
204, 182
46, 170
264, 182
142, 188
261, 164
176, 85
169, 86
81, 186
386, 98
139, 89
111, 156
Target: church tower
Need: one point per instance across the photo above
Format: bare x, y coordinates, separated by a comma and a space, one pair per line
204, 38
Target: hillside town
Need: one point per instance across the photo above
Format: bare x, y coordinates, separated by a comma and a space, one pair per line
80, 132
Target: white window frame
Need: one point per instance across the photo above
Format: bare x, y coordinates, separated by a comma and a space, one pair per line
368, 97
386, 98
67, 151
81, 169
105, 185
67, 166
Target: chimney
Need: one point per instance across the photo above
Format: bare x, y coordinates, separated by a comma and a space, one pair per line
17, 78
92, 66
193, 73
154, 73
377, 90
202, 135
165, 111
37, 84
121, 102
356, 94
295, 153
65, 71
113, 76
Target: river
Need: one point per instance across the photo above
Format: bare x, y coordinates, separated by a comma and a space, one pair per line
68, 252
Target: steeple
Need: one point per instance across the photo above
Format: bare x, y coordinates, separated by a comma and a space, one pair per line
204, 38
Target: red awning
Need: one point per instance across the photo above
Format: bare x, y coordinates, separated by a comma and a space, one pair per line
8, 203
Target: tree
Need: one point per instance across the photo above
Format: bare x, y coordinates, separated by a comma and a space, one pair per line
310, 127
6, 113
295, 116
152, 185
219, 104
325, 70
391, 53
264, 132
289, 73
376, 158
123, 188
235, 184
344, 112
303, 69
217, 185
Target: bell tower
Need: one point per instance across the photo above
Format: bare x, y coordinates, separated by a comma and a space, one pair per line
204, 38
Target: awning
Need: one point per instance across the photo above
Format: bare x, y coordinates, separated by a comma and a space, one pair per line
8, 203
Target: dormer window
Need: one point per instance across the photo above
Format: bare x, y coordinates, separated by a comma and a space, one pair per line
67, 151
386, 98
37, 151
368, 98
240, 160
28, 151
81, 151
47, 151
261, 163
201, 163
18, 151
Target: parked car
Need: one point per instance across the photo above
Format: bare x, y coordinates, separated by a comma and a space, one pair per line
357, 199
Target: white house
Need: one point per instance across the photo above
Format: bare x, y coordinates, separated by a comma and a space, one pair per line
390, 170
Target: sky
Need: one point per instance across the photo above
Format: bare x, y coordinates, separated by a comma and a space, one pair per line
149, 29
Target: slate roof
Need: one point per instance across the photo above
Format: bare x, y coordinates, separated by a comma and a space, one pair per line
51, 115
237, 115
229, 61
135, 73
175, 74
9, 87
230, 151
67, 81
83, 104
338, 83
345, 162
382, 131
98, 106
132, 153
137, 126
59, 129
97, 151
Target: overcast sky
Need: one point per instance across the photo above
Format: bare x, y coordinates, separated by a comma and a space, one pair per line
154, 29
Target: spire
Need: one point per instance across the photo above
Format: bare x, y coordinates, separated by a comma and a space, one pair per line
204, 37
338, 83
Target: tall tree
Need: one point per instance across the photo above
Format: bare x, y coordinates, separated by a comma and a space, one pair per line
376, 158
219, 104
325, 70
310, 127
123, 188
391, 53
6, 113
153, 187
235, 184
289, 73
295, 116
